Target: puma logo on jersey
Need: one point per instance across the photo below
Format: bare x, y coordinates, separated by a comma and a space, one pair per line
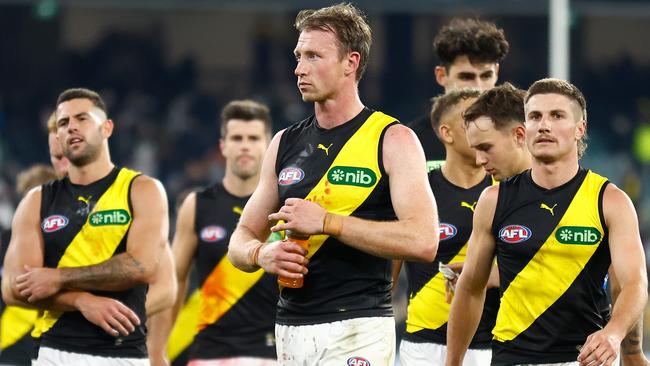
238, 210
546, 207
83, 199
326, 149
467, 205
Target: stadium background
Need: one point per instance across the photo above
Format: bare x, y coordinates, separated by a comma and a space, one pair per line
167, 67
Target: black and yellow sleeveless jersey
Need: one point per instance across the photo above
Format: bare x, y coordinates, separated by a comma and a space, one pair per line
84, 225
341, 169
428, 311
16, 344
237, 312
553, 253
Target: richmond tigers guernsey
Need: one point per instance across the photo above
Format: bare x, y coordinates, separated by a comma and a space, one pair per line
85, 225
341, 169
553, 253
237, 312
428, 311
16, 344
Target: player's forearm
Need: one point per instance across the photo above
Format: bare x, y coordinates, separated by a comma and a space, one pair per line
159, 327
413, 240
119, 273
465, 314
241, 249
628, 307
62, 301
631, 347
160, 297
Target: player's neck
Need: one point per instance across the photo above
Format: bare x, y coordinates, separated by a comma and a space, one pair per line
524, 161
91, 172
461, 172
338, 110
550, 175
240, 187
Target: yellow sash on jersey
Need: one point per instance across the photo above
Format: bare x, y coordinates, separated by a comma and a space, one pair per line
15, 324
553, 269
361, 150
185, 326
428, 309
224, 287
94, 244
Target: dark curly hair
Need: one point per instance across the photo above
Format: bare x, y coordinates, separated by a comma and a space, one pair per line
480, 41
504, 104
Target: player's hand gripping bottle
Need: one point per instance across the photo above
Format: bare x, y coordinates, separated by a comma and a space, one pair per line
302, 240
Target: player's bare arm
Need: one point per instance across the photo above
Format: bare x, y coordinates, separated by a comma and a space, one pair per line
138, 265
628, 262
631, 346
163, 288
183, 248
413, 236
467, 305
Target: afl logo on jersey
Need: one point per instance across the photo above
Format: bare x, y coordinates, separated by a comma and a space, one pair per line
290, 175
212, 233
358, 361
54, 223
447, 231
514, 234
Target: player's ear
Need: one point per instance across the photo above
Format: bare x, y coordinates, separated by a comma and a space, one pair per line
444, 134
519, 134
107, 128
441, 75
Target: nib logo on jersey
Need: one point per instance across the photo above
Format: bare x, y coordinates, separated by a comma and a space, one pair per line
514, 234
351, 176
577, 235
447, 231
109, 217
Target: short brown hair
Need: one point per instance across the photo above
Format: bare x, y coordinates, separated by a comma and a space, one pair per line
503, 104
443, 103
348, 25
34, 176
559, 86
83, 93
480, 41
563, 87
246, 110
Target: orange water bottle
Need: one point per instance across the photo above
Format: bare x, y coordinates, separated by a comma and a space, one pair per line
302, 240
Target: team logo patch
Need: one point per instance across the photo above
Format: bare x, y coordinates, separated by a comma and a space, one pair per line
577, 235
54, 223
212, 233
352, 176
447, 231
109, 217
290, 175
514, 234
358, 361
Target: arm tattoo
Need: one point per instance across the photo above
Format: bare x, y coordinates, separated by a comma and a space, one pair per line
632, 342
119, 273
